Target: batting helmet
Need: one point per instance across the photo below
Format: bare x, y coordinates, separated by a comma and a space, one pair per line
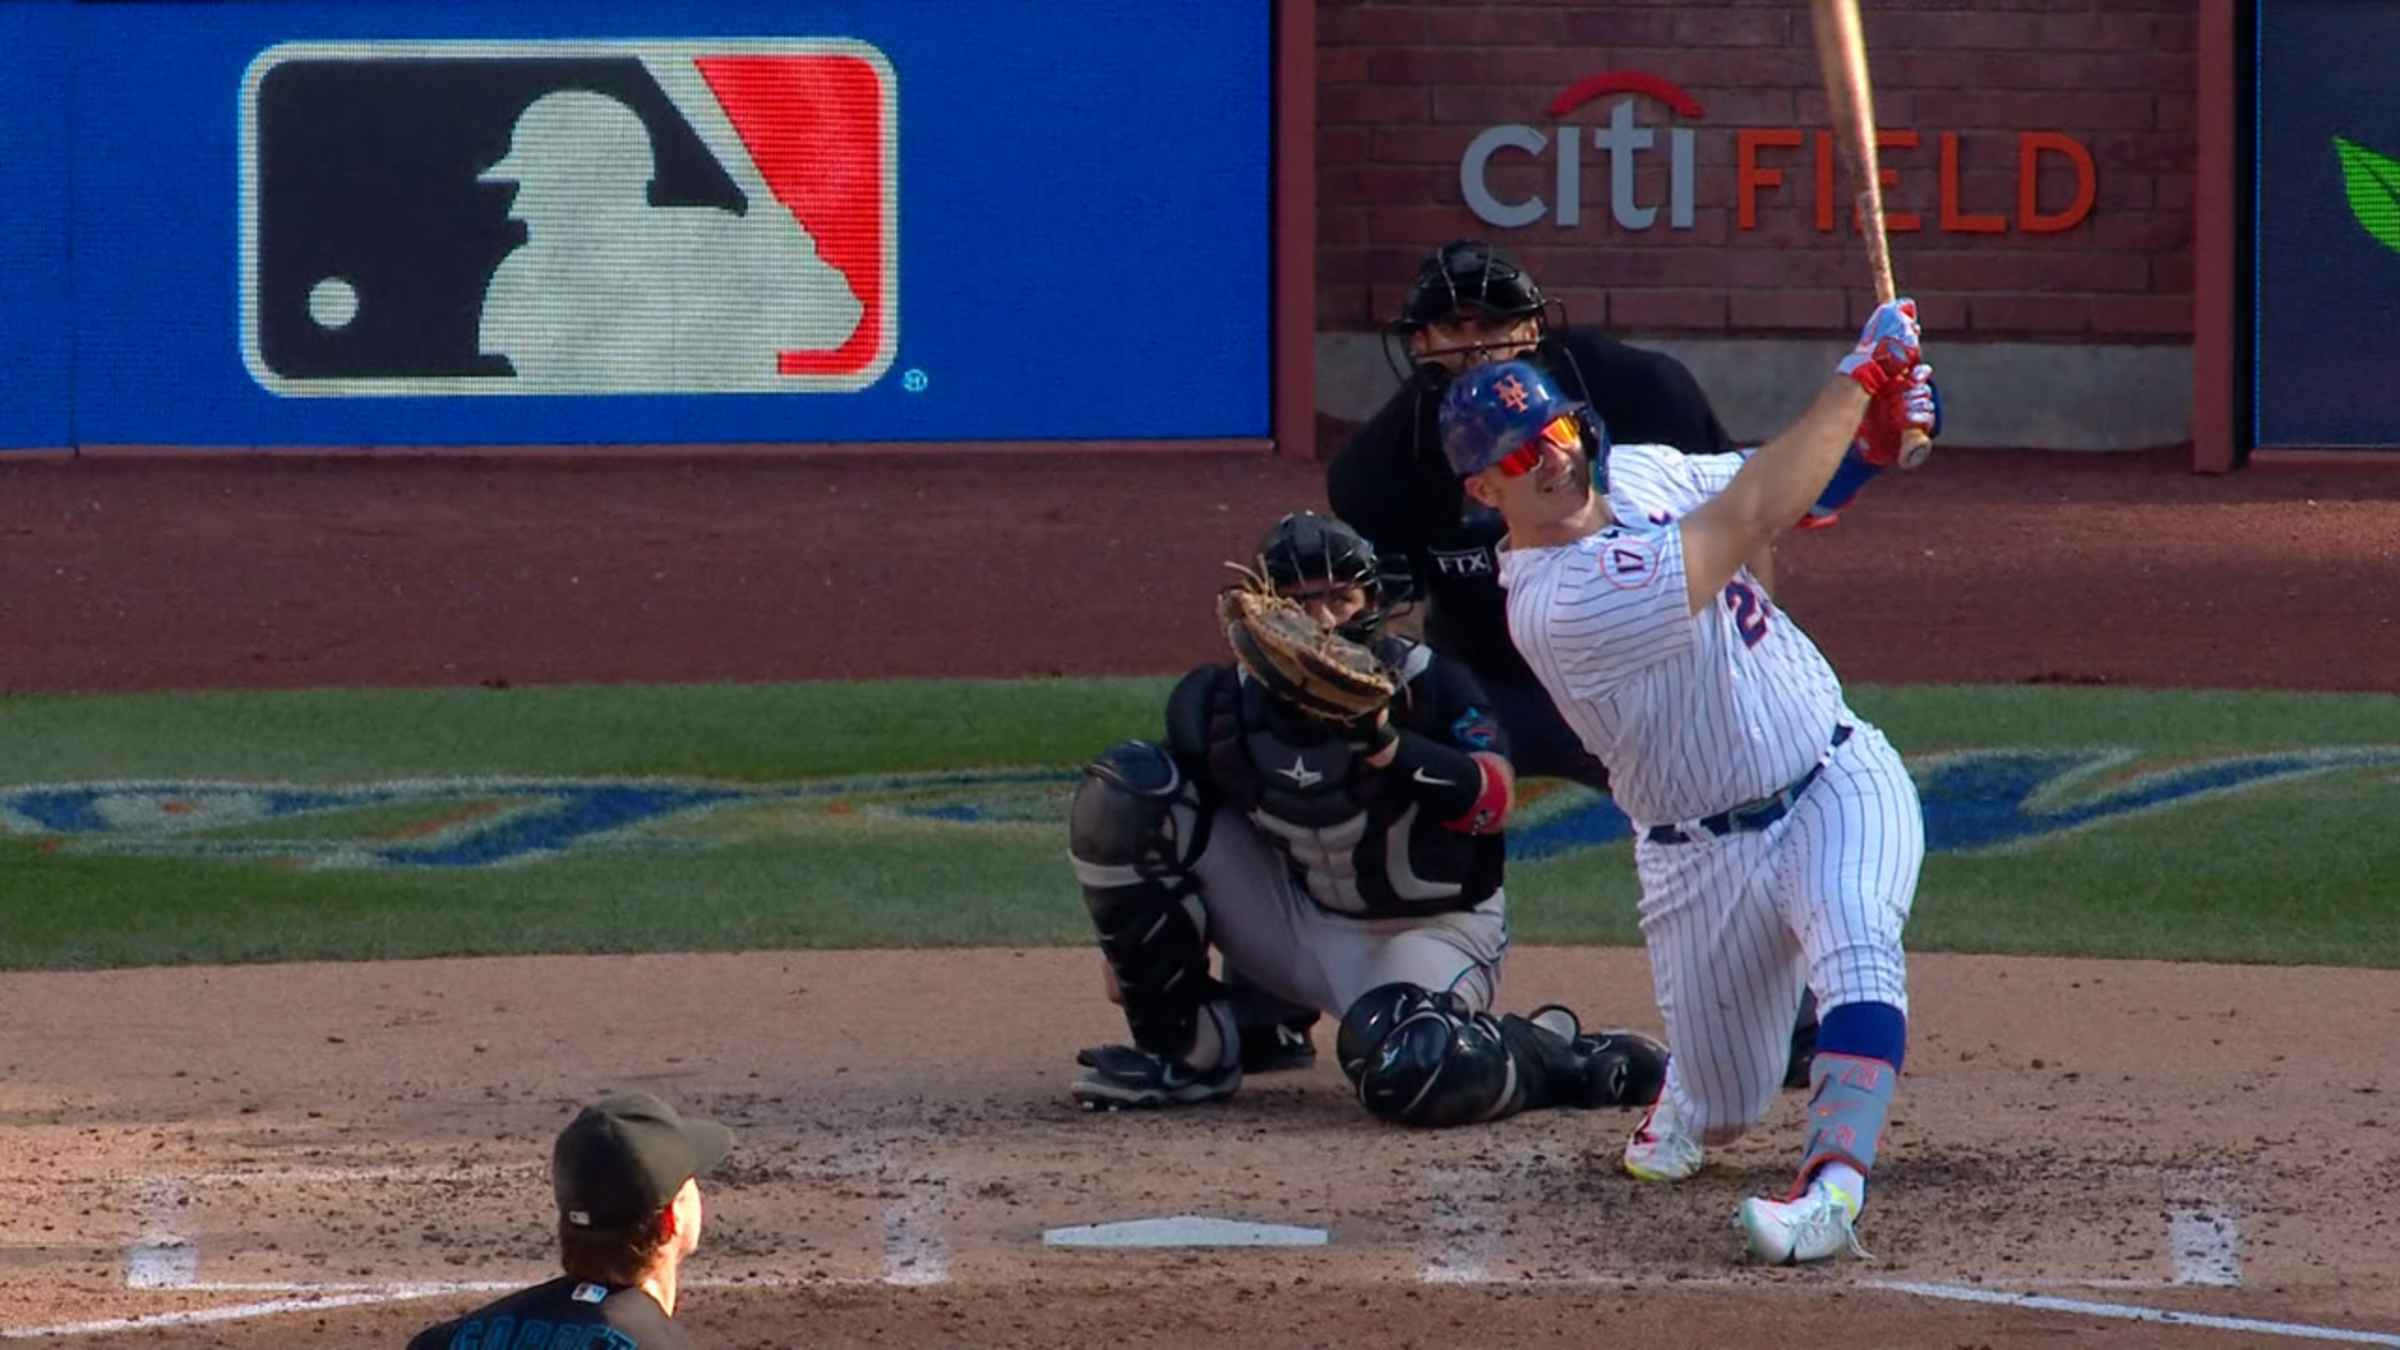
1492, 411
1305, 546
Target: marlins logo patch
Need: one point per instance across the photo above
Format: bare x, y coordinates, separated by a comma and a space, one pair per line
466, 218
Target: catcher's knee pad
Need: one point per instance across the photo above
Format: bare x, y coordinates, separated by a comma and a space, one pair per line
1421, 1058
1134, 829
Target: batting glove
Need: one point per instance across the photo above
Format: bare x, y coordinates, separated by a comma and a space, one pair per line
1887, 348
1911, 403
1877, 444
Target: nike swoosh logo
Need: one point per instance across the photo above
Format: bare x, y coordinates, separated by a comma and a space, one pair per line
1430, 781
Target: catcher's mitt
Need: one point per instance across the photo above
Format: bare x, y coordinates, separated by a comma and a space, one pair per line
1300, 661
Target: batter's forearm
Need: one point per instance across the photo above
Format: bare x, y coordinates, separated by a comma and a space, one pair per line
1770, 492
1788, 472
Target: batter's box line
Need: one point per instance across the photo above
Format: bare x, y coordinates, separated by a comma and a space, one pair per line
2306, 1331
439, 1288
328, 1297
343, 1176
163, 1257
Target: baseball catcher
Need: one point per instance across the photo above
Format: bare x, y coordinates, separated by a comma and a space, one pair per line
1326, 811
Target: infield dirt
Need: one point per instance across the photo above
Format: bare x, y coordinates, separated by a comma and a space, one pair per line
2212, 1139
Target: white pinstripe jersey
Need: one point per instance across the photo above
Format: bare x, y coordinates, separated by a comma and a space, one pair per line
1692, 713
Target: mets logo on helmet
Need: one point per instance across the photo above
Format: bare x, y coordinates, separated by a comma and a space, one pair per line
569, 217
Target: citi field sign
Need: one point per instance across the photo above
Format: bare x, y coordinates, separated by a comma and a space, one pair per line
1763, 157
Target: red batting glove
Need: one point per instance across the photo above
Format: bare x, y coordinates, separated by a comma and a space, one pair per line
1904, 404
1887, 347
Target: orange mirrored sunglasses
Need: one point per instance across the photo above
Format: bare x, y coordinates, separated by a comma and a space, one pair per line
1560, 431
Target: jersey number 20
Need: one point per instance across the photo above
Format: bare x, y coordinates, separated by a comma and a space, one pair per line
1750, 611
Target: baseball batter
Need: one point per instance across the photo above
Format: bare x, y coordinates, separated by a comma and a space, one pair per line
1351, 868
1470, 305
1778, 835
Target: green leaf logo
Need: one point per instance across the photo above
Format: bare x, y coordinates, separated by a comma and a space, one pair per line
2373, 182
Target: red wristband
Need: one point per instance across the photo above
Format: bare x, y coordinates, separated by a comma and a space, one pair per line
1490, 810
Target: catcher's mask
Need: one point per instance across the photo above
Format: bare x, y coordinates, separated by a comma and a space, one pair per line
1306, 547
1463, 279
1501, 416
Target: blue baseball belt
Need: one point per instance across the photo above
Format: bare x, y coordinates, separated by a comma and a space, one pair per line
1757, 813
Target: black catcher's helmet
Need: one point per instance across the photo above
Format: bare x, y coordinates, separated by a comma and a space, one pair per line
1305, 546
1465, 278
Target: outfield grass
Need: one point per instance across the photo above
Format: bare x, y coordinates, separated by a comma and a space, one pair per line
2292, 871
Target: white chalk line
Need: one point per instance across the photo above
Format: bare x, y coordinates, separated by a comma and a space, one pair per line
342, 1176
916, 1243
163, 1255
239, 1312
2204, 1234
304, 1297
433, 1287
1462, 1241
2306, 1331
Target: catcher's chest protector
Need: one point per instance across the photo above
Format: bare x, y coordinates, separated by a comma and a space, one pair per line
1260, 769
1354, 847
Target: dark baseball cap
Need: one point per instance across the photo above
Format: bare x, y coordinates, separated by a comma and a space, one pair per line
625, 1156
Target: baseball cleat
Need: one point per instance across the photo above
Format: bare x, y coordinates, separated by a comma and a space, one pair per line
1115, 1077
1822, 1223
1659, 1149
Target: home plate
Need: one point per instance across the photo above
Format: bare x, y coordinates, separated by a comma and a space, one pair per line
1183, 1230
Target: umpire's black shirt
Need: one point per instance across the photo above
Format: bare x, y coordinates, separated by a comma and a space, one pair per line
549, 1315
1392, 485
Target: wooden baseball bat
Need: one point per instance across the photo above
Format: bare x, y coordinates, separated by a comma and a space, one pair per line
1850, 103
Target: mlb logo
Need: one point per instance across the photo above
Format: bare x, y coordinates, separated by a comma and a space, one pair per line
472, 218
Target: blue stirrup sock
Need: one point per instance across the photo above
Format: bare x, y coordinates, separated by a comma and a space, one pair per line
1865, 1030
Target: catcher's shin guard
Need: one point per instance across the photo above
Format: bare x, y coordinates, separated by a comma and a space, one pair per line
1134, 830
1421, 1058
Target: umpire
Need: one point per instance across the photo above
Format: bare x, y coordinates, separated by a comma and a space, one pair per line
1470, 305
625, 1171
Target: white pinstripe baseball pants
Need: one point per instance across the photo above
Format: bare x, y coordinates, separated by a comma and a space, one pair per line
1735, 924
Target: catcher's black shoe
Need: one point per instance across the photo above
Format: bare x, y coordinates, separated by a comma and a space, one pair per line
1115, 1077
1277, 1049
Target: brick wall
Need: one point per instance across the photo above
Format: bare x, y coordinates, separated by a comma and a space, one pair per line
1404, 85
